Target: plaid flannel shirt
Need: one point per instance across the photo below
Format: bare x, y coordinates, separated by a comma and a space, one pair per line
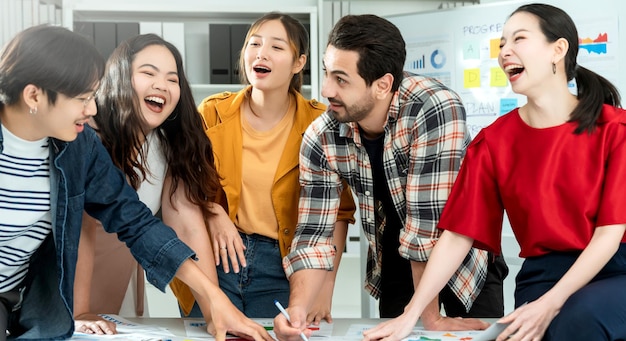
425, 141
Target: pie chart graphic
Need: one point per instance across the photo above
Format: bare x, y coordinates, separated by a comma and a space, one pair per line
438, 59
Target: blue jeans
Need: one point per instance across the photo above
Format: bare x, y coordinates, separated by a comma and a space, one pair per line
254, 289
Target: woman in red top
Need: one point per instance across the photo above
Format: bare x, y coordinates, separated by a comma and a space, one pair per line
556, 165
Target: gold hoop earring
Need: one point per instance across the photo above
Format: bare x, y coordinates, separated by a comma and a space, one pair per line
553, 68
33, 111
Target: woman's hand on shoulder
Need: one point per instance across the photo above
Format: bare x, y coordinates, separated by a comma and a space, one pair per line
226, 241
93, 324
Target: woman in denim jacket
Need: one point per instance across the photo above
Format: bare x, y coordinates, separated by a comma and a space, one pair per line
48, 76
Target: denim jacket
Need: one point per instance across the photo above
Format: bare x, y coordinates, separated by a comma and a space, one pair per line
83, 177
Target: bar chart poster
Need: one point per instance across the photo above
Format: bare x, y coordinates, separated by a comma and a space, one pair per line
432, 57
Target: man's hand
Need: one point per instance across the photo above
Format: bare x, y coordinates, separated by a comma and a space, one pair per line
286, 331
454, 323
322, 306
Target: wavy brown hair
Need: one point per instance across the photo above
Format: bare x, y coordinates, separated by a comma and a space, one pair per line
188, 151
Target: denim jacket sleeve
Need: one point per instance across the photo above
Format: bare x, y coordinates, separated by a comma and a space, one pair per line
110, 199
83, 177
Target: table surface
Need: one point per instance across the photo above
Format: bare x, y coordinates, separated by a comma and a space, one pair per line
340, 325
177, 326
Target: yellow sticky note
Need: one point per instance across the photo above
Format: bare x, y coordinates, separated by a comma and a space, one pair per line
498, 77
471, 78
494, 48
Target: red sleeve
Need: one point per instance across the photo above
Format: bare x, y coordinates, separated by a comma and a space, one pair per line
474, 208
613, 199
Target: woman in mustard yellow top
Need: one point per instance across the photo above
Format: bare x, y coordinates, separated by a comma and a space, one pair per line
256, 135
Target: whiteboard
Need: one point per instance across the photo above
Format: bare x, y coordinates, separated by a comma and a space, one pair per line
460, 47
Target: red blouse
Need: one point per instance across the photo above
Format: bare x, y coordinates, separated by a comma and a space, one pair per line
556, 186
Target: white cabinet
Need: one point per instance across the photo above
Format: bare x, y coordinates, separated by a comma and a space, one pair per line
185, 23
17, 15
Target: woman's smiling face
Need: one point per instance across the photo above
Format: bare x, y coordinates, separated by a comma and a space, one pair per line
155, 81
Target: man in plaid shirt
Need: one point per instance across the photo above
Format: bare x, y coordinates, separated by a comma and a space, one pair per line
398, 140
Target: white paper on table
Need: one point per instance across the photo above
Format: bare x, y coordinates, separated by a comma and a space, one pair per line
324, 330
355, 332
197, 328
127, 330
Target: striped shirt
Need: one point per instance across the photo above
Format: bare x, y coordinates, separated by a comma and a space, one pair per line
425, 141
25, 218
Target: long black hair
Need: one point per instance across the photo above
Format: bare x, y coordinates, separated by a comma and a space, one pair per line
188, 151
593, 89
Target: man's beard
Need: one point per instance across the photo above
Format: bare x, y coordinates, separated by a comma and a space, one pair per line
353, 113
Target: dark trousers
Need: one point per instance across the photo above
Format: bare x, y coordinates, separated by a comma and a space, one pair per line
8, 300
490, 301
595, 312
397, 289
397, 285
